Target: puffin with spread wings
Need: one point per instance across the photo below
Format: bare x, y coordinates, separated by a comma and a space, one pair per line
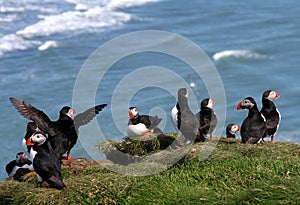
62, 133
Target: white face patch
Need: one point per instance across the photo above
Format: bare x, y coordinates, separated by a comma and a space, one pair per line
234, 128
187, 94
248, 102
18, 158
38, 138
273, 95
24, 156
211, 103
134, 112
71, 113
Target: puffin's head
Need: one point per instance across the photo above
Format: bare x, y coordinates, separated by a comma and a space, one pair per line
271, 95
183, 92
247, 103
208, 102
21, 157
36, 138
67, 111
233, 128
133, 112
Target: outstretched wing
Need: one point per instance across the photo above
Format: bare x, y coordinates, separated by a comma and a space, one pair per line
150, 121
34, 114
88, 115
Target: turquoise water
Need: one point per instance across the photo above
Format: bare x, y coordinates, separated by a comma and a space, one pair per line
253, 45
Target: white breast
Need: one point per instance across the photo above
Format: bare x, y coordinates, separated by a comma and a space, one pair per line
32, 154
13, 171
174, 117
24, 146
136, 130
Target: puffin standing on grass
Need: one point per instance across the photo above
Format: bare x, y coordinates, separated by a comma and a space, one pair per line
231, 129
63, 133
207, 119
139, 125
46, 163
271, 113
183, 118
19, 167
254, 125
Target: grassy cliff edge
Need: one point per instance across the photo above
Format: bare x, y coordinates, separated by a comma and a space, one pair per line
233, 173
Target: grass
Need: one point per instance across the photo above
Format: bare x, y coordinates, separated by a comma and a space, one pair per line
234, 173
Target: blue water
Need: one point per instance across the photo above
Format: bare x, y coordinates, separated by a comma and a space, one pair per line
43, 45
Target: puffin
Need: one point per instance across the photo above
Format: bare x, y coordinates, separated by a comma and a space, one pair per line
271, 113
46, 163
231, 129
31, 129
207, 118
39, 136
19, 167
62, 133
184, 120
140, 125
254, 125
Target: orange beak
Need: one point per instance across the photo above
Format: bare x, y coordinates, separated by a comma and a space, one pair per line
28, 142
239, 106
277, 95
130, 115
74, 111
239, 128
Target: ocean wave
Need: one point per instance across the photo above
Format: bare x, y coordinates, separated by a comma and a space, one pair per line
70, 21
47, 45
7, 9
14, 42
8, 18
247, 54
115, 4
84, 16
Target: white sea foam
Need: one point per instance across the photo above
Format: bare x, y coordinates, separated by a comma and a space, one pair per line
8, 18
86, 16
115, 4
13, 42
81, 7
237, 54
48, 44
6, 9
70, 21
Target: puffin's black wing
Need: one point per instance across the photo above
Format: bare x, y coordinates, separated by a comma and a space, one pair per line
251, 132
9, 167
272, 121
34, 114
150, 121
88, 115
48, 166
20, 173
203, 122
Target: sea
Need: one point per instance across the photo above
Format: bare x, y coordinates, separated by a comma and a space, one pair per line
120, 52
